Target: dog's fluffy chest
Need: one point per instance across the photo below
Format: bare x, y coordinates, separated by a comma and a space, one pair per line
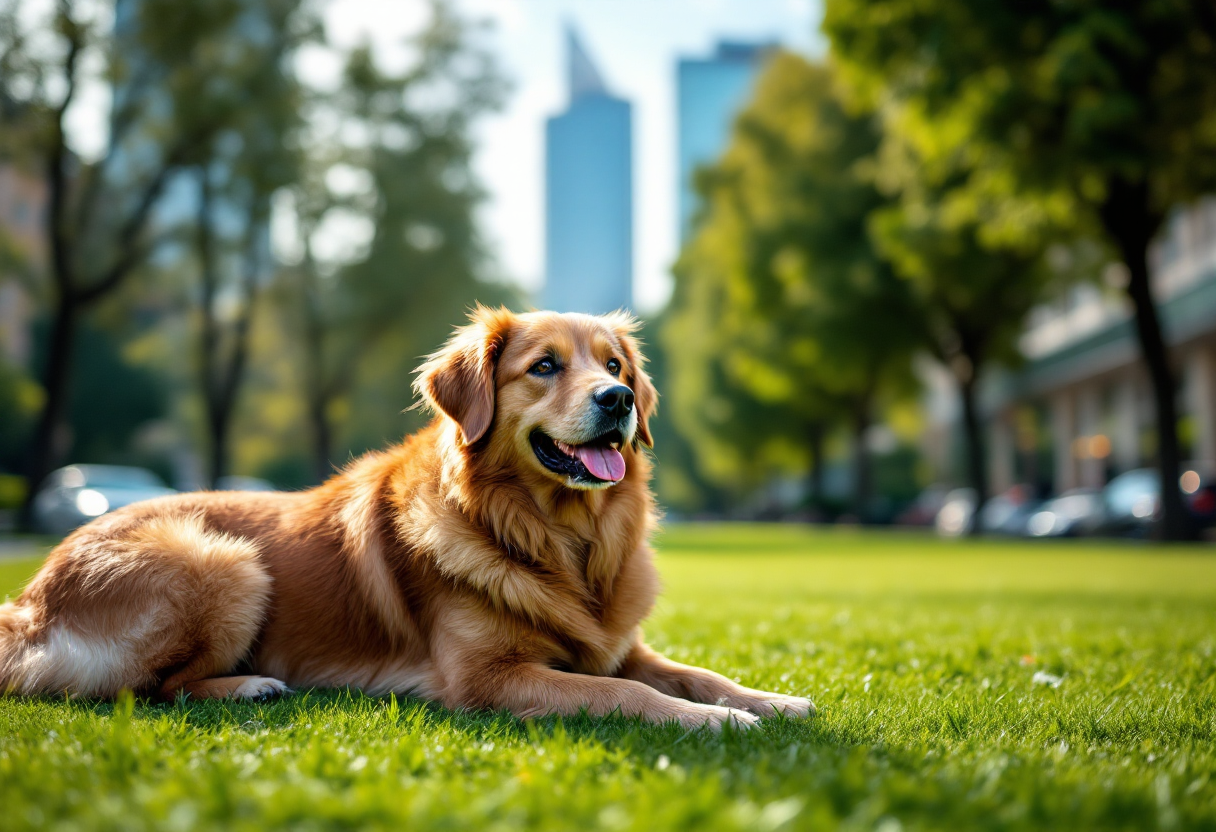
596, 638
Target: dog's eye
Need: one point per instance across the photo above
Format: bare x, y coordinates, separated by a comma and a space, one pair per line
614, 366
544, 367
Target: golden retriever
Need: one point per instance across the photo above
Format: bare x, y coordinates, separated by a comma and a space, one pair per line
496, 559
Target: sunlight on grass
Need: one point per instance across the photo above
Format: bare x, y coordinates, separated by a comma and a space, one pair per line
921, 655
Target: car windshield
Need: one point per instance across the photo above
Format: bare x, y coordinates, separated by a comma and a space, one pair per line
115, 476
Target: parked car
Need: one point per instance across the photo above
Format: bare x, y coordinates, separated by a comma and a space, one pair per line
1133, 499
1078, 511
74, 495
956, 514
924, 509
1008, 512
1005, 513
238, 483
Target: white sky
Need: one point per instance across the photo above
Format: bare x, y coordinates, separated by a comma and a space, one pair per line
635, 44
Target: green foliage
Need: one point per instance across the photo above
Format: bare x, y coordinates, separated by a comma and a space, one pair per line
784, 317
390, 151
975, 299
1036, 120
192, 85
12, 491
975, 102
678, 483
208, 92
112, 398
921, 656
103, 424
238, 171
1057, 100
20, 398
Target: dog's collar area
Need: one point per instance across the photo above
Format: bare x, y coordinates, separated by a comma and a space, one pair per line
564, 460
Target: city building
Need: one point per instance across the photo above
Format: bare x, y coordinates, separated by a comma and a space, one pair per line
709, 94
588, 195
1080, 410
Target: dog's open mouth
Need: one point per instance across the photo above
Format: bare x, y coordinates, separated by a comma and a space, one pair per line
596, 461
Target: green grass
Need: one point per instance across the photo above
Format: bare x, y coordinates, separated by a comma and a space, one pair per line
921, 656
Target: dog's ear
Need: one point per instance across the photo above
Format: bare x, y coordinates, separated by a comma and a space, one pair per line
645, 396
458, 380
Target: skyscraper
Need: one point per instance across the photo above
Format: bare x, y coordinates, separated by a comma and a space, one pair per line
589, 195
710, 93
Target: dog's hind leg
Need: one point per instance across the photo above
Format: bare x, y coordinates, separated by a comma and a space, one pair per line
160, 604
233, 591
234, 687
15, 624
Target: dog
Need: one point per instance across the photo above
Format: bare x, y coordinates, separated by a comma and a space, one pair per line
498, 559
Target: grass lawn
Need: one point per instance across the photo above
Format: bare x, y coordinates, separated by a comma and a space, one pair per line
921, 655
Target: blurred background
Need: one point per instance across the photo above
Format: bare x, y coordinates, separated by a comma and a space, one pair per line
914, 262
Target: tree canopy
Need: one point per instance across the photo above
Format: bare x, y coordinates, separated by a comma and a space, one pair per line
389, 154
785, 319
1088, 117
210, 133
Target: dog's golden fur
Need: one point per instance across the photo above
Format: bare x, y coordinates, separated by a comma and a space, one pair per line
455, 567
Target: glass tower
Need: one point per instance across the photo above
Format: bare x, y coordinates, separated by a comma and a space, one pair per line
588, 195
710, 92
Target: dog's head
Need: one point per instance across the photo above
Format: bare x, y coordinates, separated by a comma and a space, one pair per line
564, 395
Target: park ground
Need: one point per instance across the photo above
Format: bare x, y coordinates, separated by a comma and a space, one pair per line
990, 685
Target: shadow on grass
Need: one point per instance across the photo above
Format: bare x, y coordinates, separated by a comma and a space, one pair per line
408, 714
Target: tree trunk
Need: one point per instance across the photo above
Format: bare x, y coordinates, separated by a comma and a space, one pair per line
209, 337
1175, 520
977, 468
218, 464
56, 374
75, 291
317, 386
223, 369
1128, 220
322, 437
862, 478
44, 453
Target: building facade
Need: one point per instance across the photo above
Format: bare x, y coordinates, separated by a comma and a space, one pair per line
588, 195
710, 92
1080, 409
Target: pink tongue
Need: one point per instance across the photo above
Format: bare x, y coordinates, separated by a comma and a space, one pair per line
605, 463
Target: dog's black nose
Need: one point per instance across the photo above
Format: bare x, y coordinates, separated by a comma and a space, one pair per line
616, 400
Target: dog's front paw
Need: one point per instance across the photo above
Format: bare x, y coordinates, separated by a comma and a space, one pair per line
260, 687
764, 703
795, 706
716, 716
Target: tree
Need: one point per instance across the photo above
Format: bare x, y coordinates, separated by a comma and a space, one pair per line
788, 318
237, 172
398, 165
99, 225
1101, 113
975, 298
